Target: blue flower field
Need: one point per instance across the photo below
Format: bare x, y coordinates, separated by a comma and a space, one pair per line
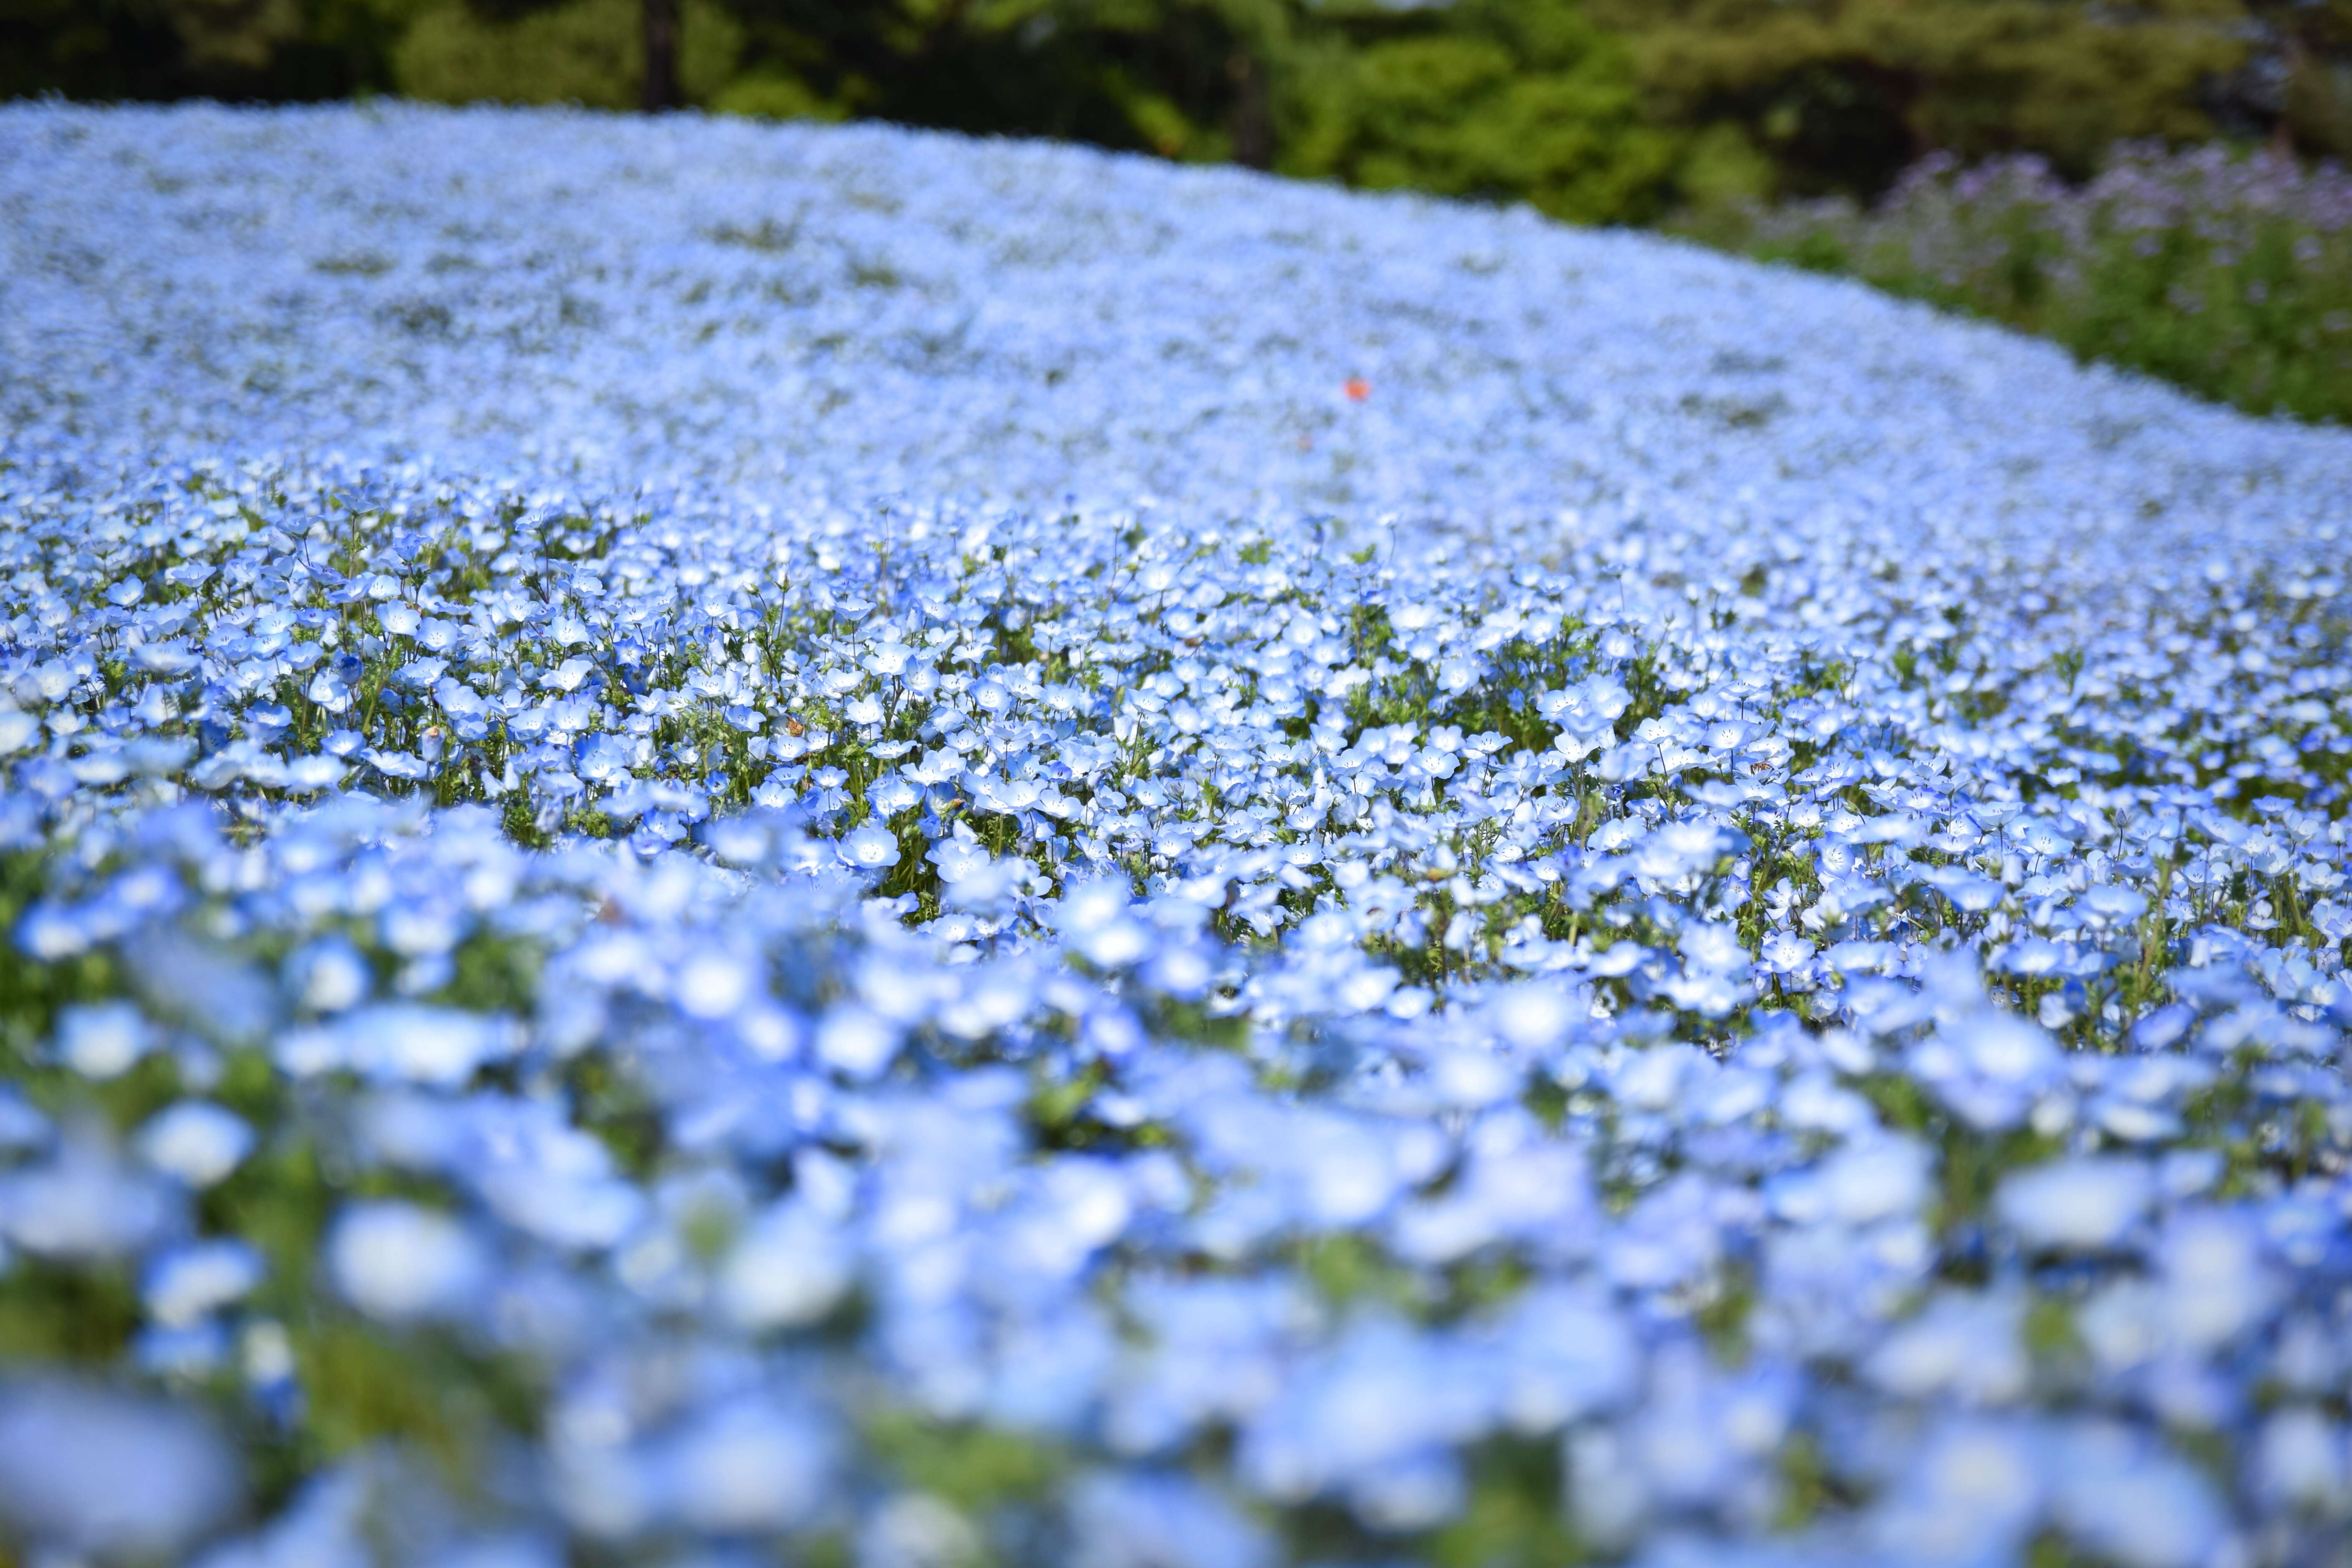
730, 844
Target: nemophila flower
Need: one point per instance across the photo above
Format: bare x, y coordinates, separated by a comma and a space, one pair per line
912, 1528
746, 1465
1974, 1491
103, 1040
1861, 1184
789, 1268
547, 1180
23, 1128
856, 1041
2086, 1203
1533, 1017
184, 1285
2300, 1462
869, 849
85, 1203
2120, 1495
400, 1262
196, 1142
1989, 1066
1966, 1347
399, 1042
90, 1471
329, 975
1130, 1519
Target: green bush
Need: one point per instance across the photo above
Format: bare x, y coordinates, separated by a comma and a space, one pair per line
1592, 110
1514, 101
589, 51
1842, 95
2230, 275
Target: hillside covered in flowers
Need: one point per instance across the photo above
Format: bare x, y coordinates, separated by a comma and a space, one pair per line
730, 844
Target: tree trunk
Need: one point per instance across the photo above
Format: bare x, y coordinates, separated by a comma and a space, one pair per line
1253, 117
660, 90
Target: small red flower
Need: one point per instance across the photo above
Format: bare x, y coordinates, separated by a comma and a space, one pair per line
1357, 389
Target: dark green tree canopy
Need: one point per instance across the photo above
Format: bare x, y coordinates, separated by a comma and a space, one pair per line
1595, 109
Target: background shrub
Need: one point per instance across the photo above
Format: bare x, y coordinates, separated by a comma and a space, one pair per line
1595, 109
2230, 275
590, 52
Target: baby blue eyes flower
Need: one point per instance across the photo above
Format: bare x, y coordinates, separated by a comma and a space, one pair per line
399, 1042
400, 1263
1968, 1348
1859, 1185
329, 975
196, 1142
869, 849
748, 1467
23, 1128
103, 1040
606, 759
2081, 1204
892, 796
1977, 1485
2301, 1461
2119, 1498
84, 1203
2115, 906
164, 658
856, 1041
89, 1472
1096, 918
1533, 1017
1124, 1519
714, 985
789, 1268
186, 1285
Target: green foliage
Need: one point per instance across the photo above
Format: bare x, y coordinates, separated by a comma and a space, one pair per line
1522, 102
75, 1315
272, 49
1174, 77
974, 1467
1842, 95
2225, 276
1595, 111
364, 1386
772, 95
1514, 1517
31, 991
589, 51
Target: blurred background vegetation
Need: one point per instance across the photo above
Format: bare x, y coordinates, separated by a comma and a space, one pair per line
1749, 123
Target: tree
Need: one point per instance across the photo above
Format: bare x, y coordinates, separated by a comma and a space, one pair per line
1595, 109
1508, 100
240, 49
657, 39
1841, 95
659, 90
2297, 85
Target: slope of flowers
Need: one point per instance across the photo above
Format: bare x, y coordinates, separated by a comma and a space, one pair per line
736, 844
